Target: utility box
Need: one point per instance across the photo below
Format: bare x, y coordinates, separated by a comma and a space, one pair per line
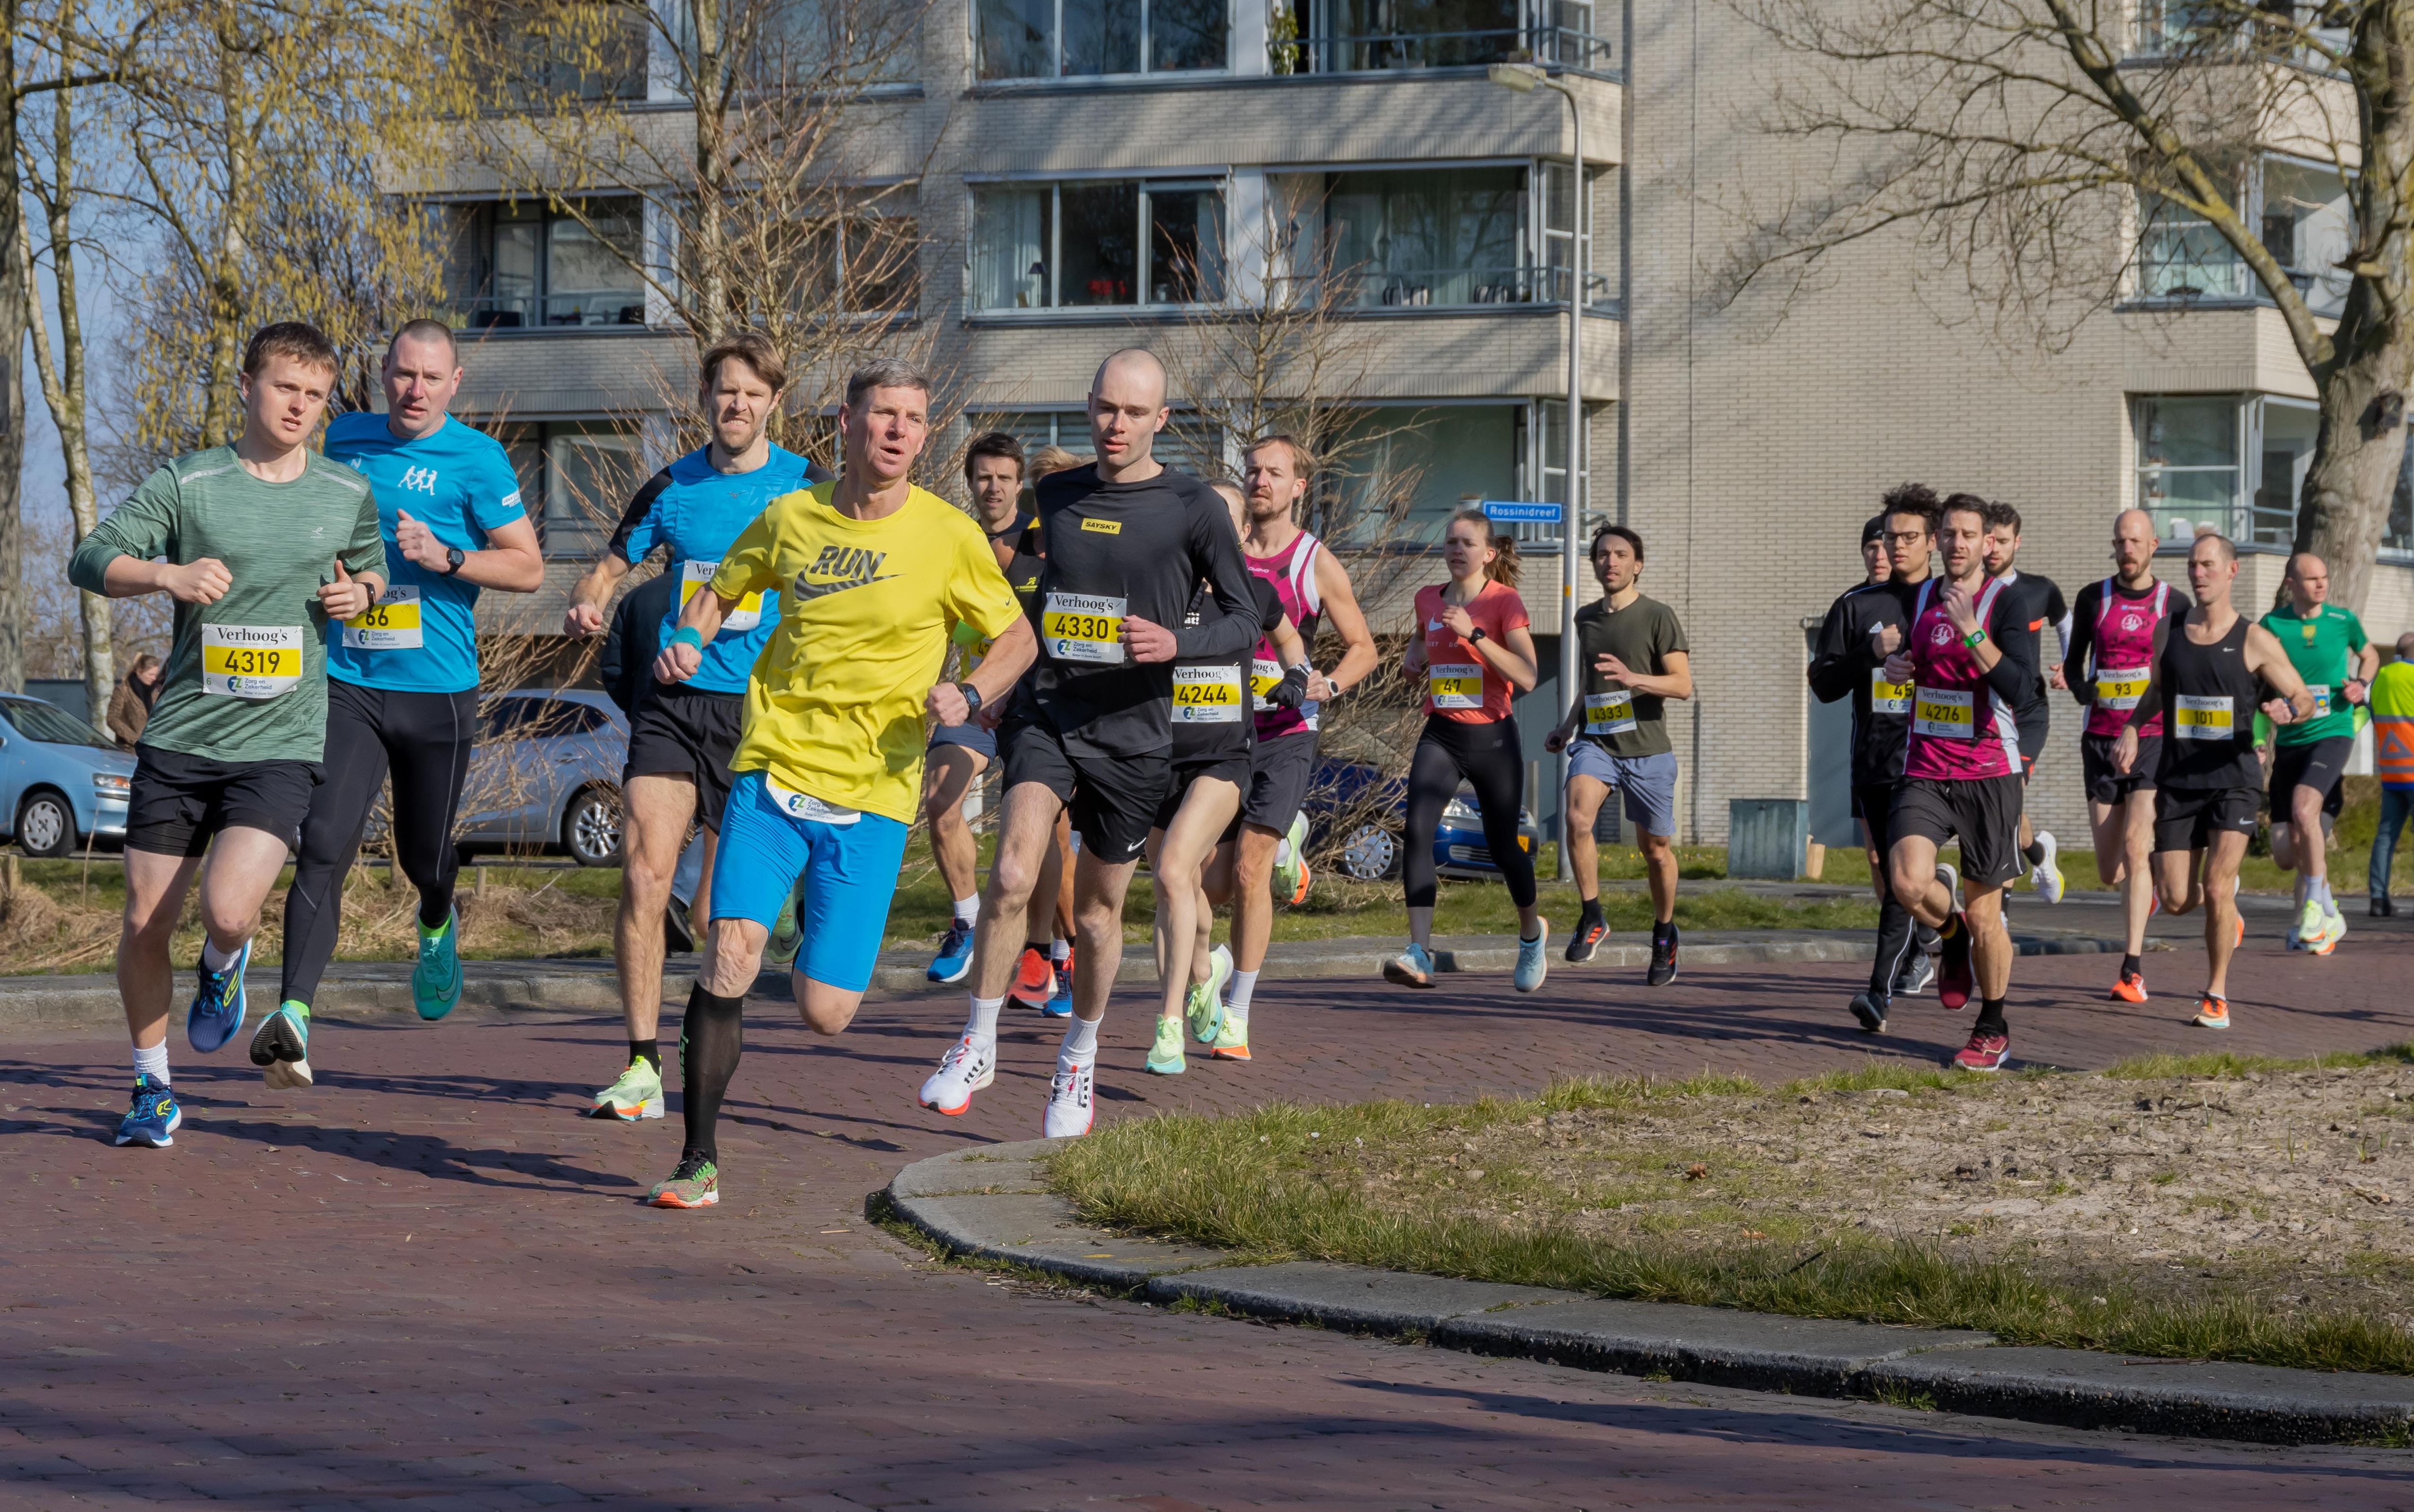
1767, 837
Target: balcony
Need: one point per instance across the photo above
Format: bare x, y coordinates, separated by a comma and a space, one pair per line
1558, 46
560, 312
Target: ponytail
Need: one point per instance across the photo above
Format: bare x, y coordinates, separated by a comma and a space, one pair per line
1503, 568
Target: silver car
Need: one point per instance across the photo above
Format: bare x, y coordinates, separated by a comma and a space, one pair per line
545, 777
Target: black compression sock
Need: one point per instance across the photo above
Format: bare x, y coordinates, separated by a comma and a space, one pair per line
2131, 966
2035, 852
1591, 909
711, 1037
1991, 1017
442, 907
649, 1051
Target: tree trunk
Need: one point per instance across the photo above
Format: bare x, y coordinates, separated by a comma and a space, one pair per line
2357, 454
13, 296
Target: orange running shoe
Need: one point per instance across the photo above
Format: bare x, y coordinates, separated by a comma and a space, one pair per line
1034, 978
2130, 989
2213, 1011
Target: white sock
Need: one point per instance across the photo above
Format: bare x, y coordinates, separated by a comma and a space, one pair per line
215, 959
1237, 998
1081, 1046
982, 1025
153, 1063
1060, 950
968, 909
2320, 892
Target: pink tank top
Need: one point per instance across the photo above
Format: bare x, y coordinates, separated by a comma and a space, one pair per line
2123, 658
1960, 730
1292, 572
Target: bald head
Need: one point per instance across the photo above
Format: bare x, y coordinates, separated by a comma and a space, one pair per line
2406, 646
1126, 410
1135, 373
2133, 545
2308, 582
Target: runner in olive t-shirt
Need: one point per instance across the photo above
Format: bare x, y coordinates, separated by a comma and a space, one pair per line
2327, 646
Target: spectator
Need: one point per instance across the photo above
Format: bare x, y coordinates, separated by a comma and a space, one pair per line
2393, 752
129, 707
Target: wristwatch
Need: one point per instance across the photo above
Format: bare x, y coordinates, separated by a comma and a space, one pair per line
454, 558
1973, 638
972, 699
1474, 635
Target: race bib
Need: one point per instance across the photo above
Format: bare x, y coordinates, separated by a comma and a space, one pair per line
1886, 697
253, 662
805, 806
1264, 673
2201, 718
2121, 687
1455, 685
749, 612
1944, 713
391, 624
1609, 714
1207, 695
1083, 627
2322, 698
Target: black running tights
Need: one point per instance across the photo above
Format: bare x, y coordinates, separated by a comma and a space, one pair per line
425, 739
1490, 759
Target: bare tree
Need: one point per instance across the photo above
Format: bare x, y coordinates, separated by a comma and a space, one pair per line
2060, 154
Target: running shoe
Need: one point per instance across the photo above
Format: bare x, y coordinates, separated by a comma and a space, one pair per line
1060, 992
1232, 1040
1165, 1054
436, 981
2294, 942
966, 1069
1987, 1051
638, 1094
1069, 1102
151, 1117
1871, 1010
2046, 876
1533, 960
1584, 943
219, 1007
1953, 978
1290, 862
2310, 924
955, 956
1204, 1008
696, 1183
2213, 1011
1664, 960
1411, 968
679, 929
787, 934
2130, 989
281, 1046
1034, 979
1915, 977
2327, 936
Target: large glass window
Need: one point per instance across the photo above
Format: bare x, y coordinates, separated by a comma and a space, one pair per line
550, 53
2188, 472
1399, 472
2309, 225
2181, 257
1097, 244
532, 267
1432, 236
1073, 38
575, 476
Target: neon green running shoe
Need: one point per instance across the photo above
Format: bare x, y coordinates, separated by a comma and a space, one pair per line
638, 1094
788, 935
696, 1183
436, 981
1205, 1009
1290, 862
1165, 1056
281, 1046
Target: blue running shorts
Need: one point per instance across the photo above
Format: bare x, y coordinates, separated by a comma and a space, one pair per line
850, 873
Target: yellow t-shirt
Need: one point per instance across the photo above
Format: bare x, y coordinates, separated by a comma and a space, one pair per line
834, 704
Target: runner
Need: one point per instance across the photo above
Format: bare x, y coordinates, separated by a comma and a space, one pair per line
1212, 730
402, 692
2116, 629
1862, 629
1128, 540
2039, 605
1472, 649
681, 741
266, 544
1267, 855
2326, 644
2392, 759
959, 753
1043, 976
1961, 770
876, 572
2203, 692
1635, 659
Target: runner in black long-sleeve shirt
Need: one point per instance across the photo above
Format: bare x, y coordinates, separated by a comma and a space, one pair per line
1090, 729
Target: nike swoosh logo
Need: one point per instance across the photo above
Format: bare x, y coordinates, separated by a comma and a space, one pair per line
805, 592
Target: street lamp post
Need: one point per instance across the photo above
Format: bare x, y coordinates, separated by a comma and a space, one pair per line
1526, 78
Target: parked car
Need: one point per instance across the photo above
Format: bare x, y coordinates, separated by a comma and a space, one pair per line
1372, 810
545, 777
62, 783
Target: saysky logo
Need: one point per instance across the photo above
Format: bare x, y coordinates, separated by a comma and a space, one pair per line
418, 480
838, 568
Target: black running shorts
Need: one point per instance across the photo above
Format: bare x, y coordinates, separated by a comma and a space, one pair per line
1280, 771
1232, 769
1983, 813
2106, 782
2318, 764
1113, 799
2188, 818
679, 732
179, 801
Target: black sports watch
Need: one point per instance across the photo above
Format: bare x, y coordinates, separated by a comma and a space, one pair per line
454, 558
972, 699
1474, 635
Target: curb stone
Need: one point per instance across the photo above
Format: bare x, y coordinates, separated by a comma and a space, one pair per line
992, 1204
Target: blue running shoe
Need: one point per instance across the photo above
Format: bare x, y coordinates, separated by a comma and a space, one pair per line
216, 1012
1533, 965
1060, 1002
436, 981
955, 956
151, 1117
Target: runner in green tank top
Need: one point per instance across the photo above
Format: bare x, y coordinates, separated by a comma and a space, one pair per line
2326, 645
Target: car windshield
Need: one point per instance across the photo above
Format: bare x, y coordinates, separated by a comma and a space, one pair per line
51, 724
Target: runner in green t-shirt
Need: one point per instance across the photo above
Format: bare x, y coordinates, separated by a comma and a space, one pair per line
2327, 646
265, 543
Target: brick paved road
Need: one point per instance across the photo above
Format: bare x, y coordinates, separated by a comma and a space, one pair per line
426, 1284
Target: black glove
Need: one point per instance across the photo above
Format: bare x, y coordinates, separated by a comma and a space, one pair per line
1293, 690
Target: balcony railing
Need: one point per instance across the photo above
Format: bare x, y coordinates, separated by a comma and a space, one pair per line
1367, 289
2188, 277
559, 312
1563, 46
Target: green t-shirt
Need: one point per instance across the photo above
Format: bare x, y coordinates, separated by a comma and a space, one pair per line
1642, 634
246, 676
2322, 649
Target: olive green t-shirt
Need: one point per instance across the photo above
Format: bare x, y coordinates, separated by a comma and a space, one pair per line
246, 676
1642, 634
2321, 647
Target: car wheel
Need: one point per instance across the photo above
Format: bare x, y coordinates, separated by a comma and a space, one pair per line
590, 828
45, 825
1372, 854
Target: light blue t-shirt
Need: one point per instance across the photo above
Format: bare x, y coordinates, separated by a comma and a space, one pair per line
697, 513
423, 636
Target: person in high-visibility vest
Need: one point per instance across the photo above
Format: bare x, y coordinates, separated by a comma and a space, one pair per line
2392, 757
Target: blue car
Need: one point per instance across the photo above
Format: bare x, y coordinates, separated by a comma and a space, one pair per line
1366, 813
63, 783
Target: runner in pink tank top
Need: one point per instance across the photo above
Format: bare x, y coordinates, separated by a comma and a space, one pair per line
1961, 728
1292, 572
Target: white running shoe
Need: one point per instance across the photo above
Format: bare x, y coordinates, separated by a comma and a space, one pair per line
968, 1067
2046, 876
1069, 1102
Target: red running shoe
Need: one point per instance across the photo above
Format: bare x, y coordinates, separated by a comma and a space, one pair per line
1985, 1051
2131, 988
1034, 978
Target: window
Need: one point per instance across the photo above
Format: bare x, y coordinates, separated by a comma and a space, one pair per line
541, 718
550, 53
810, 44
1097, 244
2181, 257
2293, 32
530, 268
2308, 223
575, 476
1594, 248
1358, 36
1433, 236
2228, 463
50, 724
1399, 472
1075, 38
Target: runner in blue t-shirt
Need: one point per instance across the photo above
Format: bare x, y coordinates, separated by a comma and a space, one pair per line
681, 737
402, 677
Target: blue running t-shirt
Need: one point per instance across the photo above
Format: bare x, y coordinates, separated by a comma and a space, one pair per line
697, 513
422, 635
